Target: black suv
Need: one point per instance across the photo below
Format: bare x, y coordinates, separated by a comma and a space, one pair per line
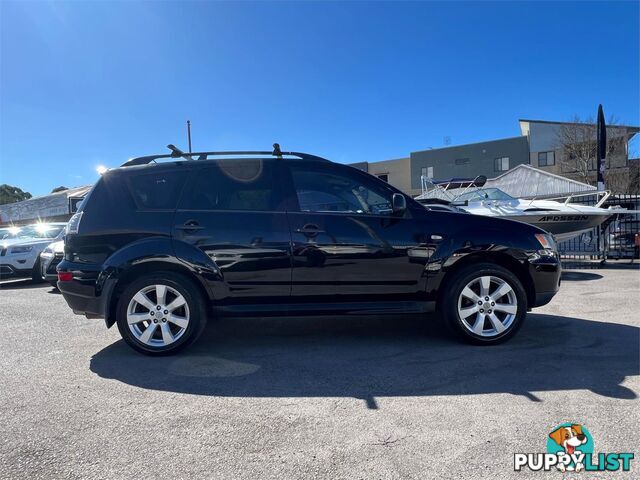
158, 246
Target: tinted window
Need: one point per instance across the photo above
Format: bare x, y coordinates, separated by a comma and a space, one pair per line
232, 185
321, 190
158, 190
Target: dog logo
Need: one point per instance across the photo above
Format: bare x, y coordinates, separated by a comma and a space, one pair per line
570, 449
573, 440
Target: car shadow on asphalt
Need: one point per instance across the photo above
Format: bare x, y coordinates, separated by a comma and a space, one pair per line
15, 284
373, 357
580, 276
27, 284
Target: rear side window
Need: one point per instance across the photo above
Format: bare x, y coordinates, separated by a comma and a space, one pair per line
232, 185
157, 190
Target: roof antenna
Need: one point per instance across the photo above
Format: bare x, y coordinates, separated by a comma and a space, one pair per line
189, 133
177, 153
276, 151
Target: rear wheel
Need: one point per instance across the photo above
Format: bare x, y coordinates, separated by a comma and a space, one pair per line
484, 304
160, 314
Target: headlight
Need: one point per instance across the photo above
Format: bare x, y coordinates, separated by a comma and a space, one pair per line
47, 251
546, 241
23, 249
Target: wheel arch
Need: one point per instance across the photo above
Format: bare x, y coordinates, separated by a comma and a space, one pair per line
499, 258
151, 267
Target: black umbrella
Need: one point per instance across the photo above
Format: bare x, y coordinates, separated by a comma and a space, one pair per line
601, 153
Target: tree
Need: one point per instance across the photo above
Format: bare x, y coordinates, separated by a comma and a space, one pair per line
11, 194
619, 180
577, 142
59, 189
634, 178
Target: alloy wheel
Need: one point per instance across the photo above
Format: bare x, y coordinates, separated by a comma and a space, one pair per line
158, 315
487, 306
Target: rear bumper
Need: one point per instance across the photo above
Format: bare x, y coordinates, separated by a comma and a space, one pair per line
545, 272
89, 292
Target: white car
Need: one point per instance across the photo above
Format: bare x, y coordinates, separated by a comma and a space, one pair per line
49, 260
20, 249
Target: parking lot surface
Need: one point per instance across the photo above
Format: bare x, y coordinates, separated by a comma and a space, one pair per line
316, 397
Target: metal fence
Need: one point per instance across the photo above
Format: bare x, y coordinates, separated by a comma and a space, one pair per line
617, 238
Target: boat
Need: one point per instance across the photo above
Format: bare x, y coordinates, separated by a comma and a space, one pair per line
563, 219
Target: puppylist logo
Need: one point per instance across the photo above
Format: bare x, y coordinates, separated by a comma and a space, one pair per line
570, 449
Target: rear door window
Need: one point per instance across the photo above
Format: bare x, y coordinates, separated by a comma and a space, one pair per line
157, 190
236, 184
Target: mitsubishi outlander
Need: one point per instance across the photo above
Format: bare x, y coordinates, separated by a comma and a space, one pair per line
165, 242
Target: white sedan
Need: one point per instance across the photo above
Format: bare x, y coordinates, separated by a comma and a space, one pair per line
20, 249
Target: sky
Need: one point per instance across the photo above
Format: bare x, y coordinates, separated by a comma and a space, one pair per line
91, 83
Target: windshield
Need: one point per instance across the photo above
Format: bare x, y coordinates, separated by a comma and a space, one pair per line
41, 230
484, 194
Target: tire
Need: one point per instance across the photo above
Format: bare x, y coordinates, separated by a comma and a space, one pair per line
36, 274
494, 321
184, 323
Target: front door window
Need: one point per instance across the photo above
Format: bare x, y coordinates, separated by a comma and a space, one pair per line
328, 192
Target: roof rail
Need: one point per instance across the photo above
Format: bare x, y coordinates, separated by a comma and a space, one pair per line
177, 153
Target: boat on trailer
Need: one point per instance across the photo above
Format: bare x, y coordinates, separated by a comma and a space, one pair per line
564, 219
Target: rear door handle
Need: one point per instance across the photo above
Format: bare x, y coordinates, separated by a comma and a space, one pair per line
310, 229
190, 226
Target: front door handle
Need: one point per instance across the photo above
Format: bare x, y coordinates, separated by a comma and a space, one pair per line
190, 226
310, 229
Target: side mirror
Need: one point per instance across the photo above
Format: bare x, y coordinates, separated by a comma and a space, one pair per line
398, 203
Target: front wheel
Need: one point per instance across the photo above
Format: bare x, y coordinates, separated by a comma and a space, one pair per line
484, 304
36, 273
161, 314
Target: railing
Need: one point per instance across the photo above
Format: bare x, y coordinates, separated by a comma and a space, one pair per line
617, 238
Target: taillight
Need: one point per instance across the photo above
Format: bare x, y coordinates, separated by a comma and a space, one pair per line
65, 276
74, 223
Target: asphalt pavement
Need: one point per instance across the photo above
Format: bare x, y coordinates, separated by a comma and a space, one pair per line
316, 397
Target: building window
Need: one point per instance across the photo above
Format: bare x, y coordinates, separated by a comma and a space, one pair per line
426, 172
546, 159
462, 161
384, 176
501, 164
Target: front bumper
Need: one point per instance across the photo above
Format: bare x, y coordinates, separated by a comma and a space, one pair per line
48, 264
545, 273
8, 270
16, 264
